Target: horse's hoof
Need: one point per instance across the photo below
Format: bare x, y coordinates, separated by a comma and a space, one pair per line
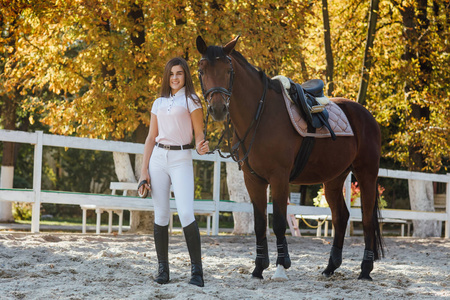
280, 274
365, 277
329, 271
327, 274
279, 279
257, 273
366, 268
257, 276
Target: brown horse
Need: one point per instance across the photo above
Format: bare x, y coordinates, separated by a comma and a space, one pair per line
267, 145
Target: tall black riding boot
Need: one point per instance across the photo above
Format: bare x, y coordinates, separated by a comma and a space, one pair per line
192, 235
161, 235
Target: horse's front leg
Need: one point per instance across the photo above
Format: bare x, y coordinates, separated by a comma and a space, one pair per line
262, 253
257, 190
371, 227
280, 191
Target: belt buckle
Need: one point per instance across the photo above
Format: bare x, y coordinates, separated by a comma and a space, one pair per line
166, 147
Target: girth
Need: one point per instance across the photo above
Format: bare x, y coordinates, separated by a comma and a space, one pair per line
304, 96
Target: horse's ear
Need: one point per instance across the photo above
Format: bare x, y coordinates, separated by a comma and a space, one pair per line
230, 45
201, 45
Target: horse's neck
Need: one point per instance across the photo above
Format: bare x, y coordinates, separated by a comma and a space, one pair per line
244, 102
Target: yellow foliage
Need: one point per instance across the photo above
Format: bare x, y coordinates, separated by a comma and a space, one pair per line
87, 70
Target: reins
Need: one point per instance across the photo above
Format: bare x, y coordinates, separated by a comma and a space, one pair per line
234, 151
256, 120
226, 130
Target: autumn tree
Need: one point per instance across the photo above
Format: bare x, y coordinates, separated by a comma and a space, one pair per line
367, 61
93, 68
328, 51
101, 61
421, 89
409, 95
407, 91
11, 95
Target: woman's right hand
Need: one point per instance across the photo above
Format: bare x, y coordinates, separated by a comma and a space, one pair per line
144, 188
202, 147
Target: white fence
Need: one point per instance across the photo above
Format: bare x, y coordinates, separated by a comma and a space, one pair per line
36, 196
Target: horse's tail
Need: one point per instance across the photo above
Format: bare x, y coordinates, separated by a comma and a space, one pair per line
379, 243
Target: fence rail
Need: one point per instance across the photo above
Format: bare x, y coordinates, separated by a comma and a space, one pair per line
36, 196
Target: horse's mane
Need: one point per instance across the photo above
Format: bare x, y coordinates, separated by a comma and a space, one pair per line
273, 84
214, 52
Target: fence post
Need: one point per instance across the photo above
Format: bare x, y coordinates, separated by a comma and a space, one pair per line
216, 194
37, 176
447, 208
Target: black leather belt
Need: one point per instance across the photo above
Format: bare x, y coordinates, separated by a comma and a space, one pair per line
170, 147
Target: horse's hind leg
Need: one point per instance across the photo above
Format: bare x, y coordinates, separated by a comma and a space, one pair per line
365, 169
372, 233
340, 214
257, 191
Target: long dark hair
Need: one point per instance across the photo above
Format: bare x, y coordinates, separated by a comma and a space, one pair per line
165, 85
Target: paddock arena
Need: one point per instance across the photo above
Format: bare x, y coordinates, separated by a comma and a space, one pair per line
75, 266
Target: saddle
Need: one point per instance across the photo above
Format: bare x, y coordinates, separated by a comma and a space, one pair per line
311, 114
306, 97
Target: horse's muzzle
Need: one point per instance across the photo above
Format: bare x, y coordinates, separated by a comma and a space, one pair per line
218, 112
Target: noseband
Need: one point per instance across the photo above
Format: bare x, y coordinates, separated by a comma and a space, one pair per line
225, 93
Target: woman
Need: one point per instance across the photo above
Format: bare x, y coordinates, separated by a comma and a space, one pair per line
168, 160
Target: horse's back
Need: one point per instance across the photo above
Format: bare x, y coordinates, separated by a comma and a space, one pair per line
330, 158
361, 120
366, 130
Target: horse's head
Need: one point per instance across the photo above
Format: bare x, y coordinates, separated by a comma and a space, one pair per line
216, 74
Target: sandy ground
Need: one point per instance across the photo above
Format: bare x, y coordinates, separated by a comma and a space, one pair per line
75, 266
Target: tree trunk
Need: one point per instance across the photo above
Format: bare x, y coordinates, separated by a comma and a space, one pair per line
140, 221
304, 68
421, 198
416, 23
7, 176
328, 51
8, 115
7, 179
367, 63
243, 222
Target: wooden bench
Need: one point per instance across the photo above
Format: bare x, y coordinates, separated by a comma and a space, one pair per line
114, 186
125, 187
323, 220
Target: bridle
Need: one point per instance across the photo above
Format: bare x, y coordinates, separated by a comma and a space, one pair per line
226, 95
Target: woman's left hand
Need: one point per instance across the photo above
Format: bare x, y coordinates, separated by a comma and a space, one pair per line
202, 147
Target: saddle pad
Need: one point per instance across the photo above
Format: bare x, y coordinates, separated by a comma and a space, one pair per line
337, 119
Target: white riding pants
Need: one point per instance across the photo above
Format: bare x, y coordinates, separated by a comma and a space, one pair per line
174, 167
